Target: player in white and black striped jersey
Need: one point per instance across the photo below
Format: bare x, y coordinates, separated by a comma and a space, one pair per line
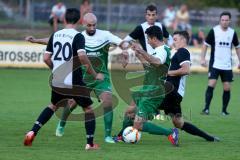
65, 54
139, 32
220, 38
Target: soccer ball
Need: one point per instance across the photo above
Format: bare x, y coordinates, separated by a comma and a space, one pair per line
131, 135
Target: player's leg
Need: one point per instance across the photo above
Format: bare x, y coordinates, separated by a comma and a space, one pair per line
178, 121
45, 115
106, 98
70, 106
191, 129
142, 124
90, 122
212, 81
128, 118
227, 78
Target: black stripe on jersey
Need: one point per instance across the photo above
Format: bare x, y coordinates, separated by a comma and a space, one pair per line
77, 75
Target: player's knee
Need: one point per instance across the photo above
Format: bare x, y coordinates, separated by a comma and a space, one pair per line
88, 109
226, 87
72, 103
178, 122
107, 99
138, 125
53, 107
107, 103
130, 113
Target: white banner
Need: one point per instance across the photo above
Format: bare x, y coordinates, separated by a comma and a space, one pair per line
27, 55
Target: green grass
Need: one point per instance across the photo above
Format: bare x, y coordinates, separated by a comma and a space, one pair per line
25, 92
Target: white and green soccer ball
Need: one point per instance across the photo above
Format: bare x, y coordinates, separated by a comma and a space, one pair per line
131, 135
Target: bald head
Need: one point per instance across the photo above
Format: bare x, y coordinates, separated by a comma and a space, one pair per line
90, 23
89, 18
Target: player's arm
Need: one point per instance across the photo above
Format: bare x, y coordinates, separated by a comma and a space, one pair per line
124, 45
183, 58
145, 56
237, 47
208, 42
47, 60
79, 44
32, 39
48, 53
238, 54
184, 70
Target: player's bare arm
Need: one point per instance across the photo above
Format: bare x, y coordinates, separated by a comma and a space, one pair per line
85, 61
238, 54
149, 58
47, 60
32, 39
203, 55
184, 70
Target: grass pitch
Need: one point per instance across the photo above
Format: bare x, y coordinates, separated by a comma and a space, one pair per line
25, 92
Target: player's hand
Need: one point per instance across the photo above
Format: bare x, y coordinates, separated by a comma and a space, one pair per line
203, 63
30, 39
239, 66
99, 76
136, 47
125, 58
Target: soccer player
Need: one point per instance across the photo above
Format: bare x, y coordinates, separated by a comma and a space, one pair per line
66, 50
97, 46
139, 32
178, 70
148, 98
220, 38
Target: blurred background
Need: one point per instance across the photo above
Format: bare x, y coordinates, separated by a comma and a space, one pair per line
21, 17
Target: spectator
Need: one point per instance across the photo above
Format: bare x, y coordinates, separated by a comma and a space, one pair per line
169, 17
85, 7
57, 15
198, 38
182, 19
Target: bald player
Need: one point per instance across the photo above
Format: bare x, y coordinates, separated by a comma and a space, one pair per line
97, 43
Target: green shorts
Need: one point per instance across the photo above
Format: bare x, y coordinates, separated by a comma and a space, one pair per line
147, 100
100, 86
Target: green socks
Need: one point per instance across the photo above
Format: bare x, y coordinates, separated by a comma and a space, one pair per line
155, 129
108, 118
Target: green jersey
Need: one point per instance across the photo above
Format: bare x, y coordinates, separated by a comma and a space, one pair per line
151, 94
97, 47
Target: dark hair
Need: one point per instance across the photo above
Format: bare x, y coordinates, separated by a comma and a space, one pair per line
151, 7
226, 13
72, 15
155, 31
183, 34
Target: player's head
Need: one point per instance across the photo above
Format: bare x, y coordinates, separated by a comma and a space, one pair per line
72, 16
225, 19
154, 35
180, 39
90, 22
151, 14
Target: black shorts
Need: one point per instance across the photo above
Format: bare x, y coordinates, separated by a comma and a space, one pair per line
226, 75
172, 104
80, 100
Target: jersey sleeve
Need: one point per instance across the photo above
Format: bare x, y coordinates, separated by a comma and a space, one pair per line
210, 38
161, 54
49, 49
235, 40
137, 33
113, 39
165, 32
79, 43
183, 56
